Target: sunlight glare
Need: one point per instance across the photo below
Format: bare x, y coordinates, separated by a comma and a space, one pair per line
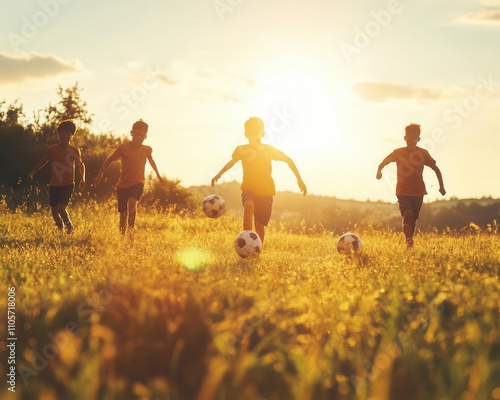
193, 258
296, 99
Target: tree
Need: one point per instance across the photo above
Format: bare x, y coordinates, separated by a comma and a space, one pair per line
70, 106
170, 196
17, 152
12, 115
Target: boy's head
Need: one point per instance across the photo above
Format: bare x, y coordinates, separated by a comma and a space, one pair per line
140, 128
66, 126
254, 127
412, 133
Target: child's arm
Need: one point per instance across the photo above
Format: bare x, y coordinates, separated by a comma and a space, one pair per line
440, 178
113, 157
153, 165
226, 167
294, 169
81, 169
39, 166
380, 167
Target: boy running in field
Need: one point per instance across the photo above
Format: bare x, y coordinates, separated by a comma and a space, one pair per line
258, 186
62, 157
133, 155
410, 187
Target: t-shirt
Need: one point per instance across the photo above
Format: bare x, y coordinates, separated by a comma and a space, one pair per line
410, 166
62, 162
133, 164
257, 168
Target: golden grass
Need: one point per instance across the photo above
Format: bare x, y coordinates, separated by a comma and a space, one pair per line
171, 312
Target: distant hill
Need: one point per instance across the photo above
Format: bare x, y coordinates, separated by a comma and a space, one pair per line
341, 215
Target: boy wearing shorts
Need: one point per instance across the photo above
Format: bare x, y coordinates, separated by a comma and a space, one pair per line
63, 158
258, 186
410, 186
133, 155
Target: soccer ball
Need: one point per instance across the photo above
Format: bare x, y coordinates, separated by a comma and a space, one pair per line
214, 206
247, 244
349, 243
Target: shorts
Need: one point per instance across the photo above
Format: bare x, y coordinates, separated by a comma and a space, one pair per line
414, 203
124, 194
60, 194
263, 206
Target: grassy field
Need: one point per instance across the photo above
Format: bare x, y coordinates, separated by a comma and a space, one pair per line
173, 313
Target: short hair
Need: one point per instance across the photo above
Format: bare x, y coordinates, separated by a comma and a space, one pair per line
140, 125
412, 130
66, 125
253, 124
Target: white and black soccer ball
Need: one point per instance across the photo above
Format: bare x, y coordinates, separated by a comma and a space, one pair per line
214, 206
248, 244
349, 243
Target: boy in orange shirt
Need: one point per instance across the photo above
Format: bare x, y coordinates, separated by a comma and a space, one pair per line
410, 187
258, 186
62, 157
130, 185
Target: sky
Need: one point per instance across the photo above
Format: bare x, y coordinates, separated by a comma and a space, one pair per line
336, 82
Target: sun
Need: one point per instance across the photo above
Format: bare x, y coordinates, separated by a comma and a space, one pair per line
297, 100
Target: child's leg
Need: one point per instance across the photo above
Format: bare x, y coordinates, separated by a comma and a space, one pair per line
121, 195
132, 211
261, 230
416, 207
56, 217
58, 196
123, 221
262, 212
408, 226
408, 223
65, 217
414, 225
63, 213
248, 212
61, 210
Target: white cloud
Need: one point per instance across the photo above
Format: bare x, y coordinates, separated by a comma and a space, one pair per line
19, 68
381, 91
484, 16
489, 14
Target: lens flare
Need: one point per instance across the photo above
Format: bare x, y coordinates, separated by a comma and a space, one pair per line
193, 258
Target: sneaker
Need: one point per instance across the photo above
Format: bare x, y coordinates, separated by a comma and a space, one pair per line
60, 225
409, 243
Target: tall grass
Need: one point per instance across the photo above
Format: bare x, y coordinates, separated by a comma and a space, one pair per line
171, 312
